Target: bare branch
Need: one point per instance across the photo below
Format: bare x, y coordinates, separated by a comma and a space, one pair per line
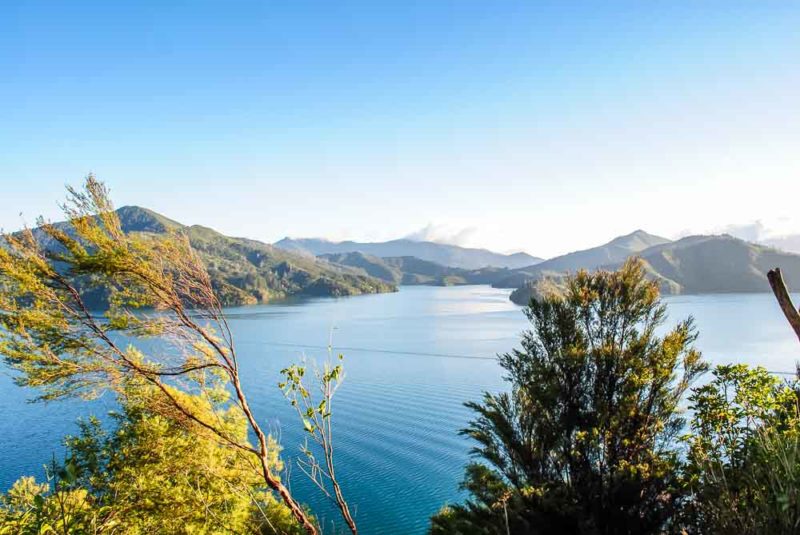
784, 299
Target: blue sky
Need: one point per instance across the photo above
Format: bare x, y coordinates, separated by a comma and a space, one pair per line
539, 126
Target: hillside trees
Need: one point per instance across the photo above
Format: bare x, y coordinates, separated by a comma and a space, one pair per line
743, 462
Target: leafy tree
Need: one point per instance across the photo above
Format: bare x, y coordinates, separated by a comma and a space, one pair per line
583, 441
744, 453
151, 474
57, 344
56, 507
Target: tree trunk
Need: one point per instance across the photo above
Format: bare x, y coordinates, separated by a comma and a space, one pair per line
784, 299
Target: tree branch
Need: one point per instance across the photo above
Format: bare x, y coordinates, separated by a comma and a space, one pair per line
784, 299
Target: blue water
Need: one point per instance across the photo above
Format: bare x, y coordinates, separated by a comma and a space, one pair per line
412, 358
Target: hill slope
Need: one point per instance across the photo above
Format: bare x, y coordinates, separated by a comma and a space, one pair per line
617, 250
789, 243
408, 270
703, 264
247, 271
443, 254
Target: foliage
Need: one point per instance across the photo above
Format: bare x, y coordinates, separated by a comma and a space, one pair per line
318, 424
150, 474
584, 440
31, 508
744, 453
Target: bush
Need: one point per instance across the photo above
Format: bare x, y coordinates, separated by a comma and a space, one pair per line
744, 454
150, 474
584, 441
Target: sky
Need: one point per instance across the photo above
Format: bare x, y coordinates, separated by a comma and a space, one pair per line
539, 126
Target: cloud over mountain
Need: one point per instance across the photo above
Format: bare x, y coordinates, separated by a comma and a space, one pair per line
437, 233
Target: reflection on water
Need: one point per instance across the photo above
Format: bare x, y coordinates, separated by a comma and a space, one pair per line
412, 358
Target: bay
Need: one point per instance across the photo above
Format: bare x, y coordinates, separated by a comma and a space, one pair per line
411, 358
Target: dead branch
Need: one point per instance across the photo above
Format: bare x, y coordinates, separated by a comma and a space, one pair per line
784, 299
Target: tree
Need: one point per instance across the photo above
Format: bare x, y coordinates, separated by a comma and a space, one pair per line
149, 474
31, 508
51, 337
584, 440
744, 453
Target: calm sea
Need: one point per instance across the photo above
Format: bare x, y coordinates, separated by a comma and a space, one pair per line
412, 358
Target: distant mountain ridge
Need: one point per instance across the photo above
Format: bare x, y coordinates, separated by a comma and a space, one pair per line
696, 265
409, 270
245, 271
617, 250
440, 253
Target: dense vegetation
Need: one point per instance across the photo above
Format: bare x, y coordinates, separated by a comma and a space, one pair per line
584, 441
148, 473
247, 271
743, 466
589, 437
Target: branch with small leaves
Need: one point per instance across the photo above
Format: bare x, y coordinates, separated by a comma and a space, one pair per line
316, 417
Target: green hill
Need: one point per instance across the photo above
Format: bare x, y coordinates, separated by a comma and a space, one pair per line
617, 250
247, 271
409, 270
699, 265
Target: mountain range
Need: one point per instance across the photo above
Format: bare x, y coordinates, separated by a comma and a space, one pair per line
693, 265
617, 250
409, 270
245, 271
440, 253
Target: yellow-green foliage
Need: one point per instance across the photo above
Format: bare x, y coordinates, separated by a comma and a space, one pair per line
29, 508
149, 474
744, 454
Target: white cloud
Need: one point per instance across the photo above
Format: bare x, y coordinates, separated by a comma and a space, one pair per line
781, 232
752, 232
444, 234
